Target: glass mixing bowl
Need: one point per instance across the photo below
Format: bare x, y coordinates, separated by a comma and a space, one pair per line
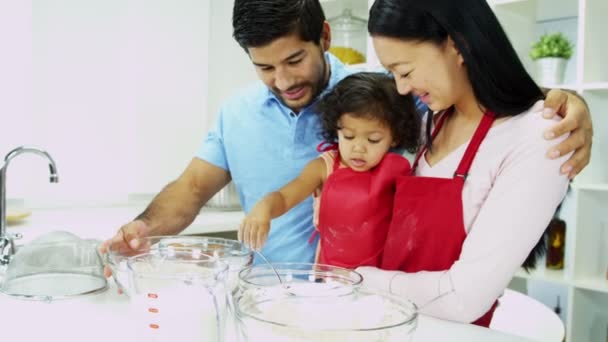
302, 278
57, 265
231, 252
323, 303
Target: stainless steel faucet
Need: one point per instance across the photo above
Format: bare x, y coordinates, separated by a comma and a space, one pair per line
7, 244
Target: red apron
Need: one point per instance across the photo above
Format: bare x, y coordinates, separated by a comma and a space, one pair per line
355, 212
427, 229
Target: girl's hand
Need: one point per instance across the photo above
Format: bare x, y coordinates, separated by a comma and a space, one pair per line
254, 230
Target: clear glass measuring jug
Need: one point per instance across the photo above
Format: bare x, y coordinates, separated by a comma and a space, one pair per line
176, 292
234, 253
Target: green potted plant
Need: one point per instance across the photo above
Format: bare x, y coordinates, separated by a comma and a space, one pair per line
551, 52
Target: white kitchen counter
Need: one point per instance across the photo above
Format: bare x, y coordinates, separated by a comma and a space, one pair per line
105, 317
102, 223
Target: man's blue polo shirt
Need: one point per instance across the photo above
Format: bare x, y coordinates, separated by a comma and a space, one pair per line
264, 145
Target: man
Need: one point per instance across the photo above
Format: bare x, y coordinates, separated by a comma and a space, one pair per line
267, 133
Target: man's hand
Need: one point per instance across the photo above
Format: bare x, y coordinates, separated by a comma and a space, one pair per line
125, 240
577, 121
254, 230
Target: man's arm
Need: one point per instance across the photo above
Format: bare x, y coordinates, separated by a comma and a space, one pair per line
577, 120
176, 206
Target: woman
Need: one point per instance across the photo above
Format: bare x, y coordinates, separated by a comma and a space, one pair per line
484, 190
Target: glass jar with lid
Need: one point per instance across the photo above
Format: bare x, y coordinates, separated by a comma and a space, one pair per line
349, 38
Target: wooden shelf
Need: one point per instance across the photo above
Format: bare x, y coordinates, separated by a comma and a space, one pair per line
594, 284
552, 276
590, 186
569, 86
597, 284
595, 86
504, 2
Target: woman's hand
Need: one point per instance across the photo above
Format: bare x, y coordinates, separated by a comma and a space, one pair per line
577, 121
254, 228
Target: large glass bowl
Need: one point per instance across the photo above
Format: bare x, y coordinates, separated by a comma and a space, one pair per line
321, 304
304, 278
57, 265
231, 252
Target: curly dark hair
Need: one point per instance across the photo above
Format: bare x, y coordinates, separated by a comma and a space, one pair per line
371, 95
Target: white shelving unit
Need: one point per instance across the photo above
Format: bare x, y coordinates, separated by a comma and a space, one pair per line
586, 258
584, 275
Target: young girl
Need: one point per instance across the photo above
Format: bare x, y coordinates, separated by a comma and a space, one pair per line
362, 118
484, 190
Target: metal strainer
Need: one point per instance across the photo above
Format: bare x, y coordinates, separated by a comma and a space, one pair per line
57, 265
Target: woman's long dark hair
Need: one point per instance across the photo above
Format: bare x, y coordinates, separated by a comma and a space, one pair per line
499, 80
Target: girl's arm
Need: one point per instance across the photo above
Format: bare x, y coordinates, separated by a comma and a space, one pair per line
254, 228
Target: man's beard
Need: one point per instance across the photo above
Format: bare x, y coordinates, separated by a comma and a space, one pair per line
316, 88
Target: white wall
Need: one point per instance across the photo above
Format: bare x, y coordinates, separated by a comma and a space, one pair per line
115, 90
15, 66
230, 67
552, 19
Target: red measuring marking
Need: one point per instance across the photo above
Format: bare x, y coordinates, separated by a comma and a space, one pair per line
153, 310
154, 326
152, 295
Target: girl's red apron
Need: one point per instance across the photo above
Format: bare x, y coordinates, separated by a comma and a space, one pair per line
355, 212
427, 228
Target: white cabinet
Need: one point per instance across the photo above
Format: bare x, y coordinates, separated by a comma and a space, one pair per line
586, 264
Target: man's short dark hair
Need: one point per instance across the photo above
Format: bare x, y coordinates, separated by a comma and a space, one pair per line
256, 23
